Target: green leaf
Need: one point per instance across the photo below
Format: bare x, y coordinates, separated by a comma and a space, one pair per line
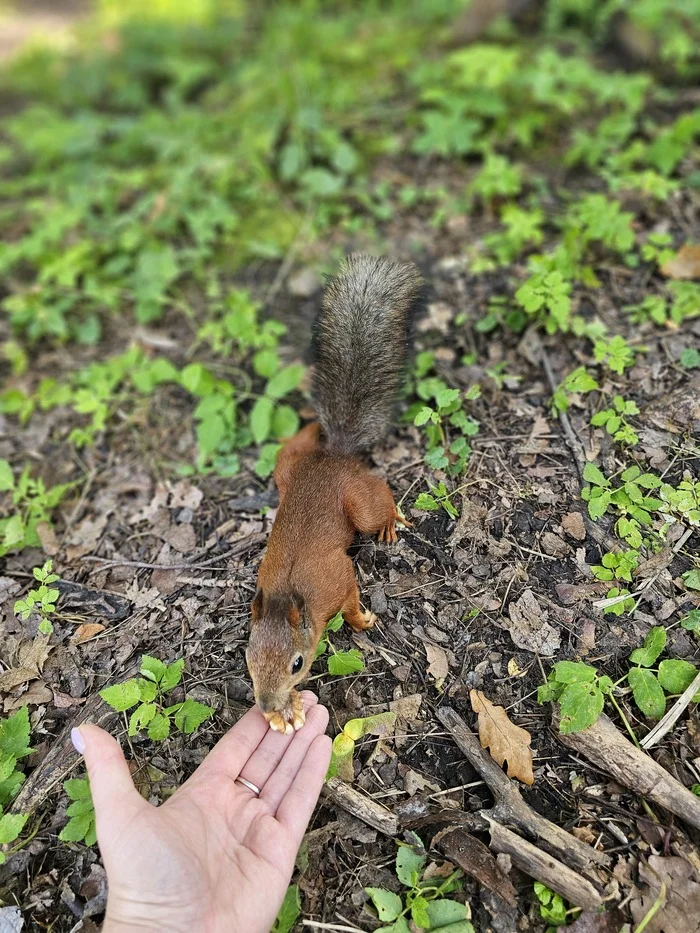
285, 381
444, 911
7, 479
654, 644
592, 475
265, 464
80, 808
387, 904
409, 865
419, 912
423, 416
692, 579
78, 788
573, 672
266, 363
191, 715
346, 662
285, 422
14, 734
148, 690
336, 623
676, 676
152, 668
426, 502
122, 696
11, 825
159, 728
580, 705
647, 692
172, 675
261, 419
691, 622
141, 717
289, 912
77, 828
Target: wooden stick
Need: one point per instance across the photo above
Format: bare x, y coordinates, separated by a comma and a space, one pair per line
512, 810
608, 749
672, 716
538, 864
360, 805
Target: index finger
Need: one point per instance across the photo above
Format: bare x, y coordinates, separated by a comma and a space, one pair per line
231, 753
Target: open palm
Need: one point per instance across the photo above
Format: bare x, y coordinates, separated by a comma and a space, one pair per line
214, 856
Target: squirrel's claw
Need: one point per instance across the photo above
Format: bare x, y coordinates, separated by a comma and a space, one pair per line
290, 719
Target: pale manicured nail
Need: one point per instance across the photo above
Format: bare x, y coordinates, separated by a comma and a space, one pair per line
76, 737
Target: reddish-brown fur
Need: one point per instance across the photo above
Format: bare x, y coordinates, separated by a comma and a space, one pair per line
306, 576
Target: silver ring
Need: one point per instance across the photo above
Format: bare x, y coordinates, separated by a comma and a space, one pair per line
249, 785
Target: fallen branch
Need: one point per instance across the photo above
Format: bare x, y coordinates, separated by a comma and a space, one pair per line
361, 806
607, 748
561, 861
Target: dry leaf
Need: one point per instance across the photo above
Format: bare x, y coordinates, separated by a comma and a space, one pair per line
47, 537
85, 537
65, 701
573, 525
147, 598
181, 537
37, 695
184, 495
504, 740
554, 545
11, 920
612, 921
685, 264
30, 662
407, 707
529, 628
438, 665
86, 631
681, 911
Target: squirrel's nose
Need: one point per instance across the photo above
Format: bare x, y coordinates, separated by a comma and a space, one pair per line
266, 703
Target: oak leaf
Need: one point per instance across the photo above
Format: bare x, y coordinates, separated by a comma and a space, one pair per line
504, 740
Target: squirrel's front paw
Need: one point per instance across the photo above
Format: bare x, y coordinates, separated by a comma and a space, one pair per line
291, 718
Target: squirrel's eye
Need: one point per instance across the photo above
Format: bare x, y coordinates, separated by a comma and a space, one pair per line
297, 664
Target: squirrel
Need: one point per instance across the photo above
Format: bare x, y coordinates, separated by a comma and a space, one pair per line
360, 346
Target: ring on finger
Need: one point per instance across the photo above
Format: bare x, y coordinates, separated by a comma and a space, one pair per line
249, 784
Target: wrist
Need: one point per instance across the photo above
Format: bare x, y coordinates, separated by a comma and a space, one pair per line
129, 917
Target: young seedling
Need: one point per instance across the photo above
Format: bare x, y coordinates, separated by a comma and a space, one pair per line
422, 901
339, 662
437, 498
614, 420
344, 744
145, 695
81, 812
42, 599
14, 745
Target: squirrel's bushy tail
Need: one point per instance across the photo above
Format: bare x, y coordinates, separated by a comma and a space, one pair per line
360, 346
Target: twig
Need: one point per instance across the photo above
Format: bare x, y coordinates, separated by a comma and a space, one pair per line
331, 926
361, 806
238, 547
671, 718
604, 745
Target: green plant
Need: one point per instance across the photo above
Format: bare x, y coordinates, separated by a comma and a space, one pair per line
581, 692
14, 745
629, 500
552, 906
81, 812
147, 694
614, 420
578, 382
617, 565
690, 358
614, 353
548, 296
445, 424
353, 730
691, 621
289, 912
339, 662
31, 505
41, 600
437, 498
497, 178
423, 900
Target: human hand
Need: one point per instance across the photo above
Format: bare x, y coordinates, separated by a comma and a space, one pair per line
214, 857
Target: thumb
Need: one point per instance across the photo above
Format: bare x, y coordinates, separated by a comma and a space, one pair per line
113, 793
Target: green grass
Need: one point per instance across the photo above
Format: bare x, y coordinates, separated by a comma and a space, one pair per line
147, 170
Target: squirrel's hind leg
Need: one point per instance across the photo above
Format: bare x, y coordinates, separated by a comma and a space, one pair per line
303, 443
369, 505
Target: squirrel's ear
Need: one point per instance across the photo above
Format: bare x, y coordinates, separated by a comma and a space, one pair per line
295, 613
256, 606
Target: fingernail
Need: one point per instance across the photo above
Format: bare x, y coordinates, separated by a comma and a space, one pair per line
76, 737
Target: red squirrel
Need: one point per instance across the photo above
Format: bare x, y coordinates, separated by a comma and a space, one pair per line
360, 347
